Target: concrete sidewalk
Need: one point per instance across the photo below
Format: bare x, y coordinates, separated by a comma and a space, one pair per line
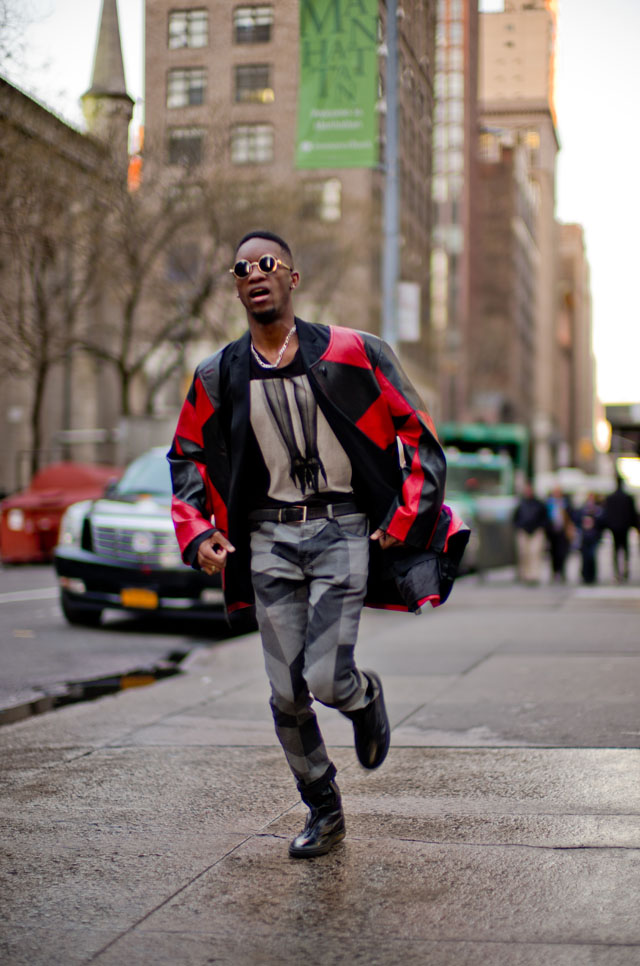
152, 827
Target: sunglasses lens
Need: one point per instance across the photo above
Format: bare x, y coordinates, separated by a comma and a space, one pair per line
268, 264
242, 268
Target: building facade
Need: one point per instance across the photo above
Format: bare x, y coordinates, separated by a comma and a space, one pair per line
501, 343
517, 66
58, 401
454, 192
574, 366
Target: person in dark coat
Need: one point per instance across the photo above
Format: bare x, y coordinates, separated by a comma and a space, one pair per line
589, 521
287, 480
560, 532
530, 521
620, 515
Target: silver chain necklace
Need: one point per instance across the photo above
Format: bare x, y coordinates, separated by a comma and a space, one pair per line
273, 365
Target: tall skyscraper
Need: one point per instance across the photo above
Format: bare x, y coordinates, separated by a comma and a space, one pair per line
517, 68
453, 194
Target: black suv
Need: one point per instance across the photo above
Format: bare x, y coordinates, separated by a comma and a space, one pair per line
120, 551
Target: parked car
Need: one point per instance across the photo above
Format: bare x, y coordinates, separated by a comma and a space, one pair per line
30, 519
121, 552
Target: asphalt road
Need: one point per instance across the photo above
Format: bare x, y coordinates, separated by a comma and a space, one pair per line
41, 653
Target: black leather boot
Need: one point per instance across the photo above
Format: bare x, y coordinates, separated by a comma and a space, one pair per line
325, 823
371, 728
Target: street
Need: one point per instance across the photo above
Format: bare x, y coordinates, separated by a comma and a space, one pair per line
40, 653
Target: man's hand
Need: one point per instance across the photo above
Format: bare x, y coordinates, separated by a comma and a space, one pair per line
385, 539
212, 553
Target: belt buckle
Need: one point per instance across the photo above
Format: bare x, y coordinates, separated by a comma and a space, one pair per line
283, 514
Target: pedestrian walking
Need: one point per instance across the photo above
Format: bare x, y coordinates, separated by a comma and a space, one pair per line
285, 458
530, 521
619, 516
560, 532
589, 521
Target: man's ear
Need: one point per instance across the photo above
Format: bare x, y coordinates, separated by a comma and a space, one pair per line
295, 278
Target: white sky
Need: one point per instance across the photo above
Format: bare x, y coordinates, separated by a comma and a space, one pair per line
598, 83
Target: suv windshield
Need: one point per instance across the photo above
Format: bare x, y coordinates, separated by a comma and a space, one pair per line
148, 474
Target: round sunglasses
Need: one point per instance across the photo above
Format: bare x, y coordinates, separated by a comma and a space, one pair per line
266, 263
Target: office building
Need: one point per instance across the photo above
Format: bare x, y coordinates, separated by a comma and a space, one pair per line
501, 379
574, 365
516, 94
454, 189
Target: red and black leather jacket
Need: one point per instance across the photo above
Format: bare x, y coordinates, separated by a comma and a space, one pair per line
370, 404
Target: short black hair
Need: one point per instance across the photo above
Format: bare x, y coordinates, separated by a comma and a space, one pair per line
270, 236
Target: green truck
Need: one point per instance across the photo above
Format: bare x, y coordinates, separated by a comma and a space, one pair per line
485, 465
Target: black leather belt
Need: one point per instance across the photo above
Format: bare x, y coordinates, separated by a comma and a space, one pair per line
300, 514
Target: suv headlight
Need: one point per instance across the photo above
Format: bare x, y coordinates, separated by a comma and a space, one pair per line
70, 534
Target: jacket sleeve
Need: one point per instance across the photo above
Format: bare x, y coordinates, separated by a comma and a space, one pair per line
199, 466
414, 514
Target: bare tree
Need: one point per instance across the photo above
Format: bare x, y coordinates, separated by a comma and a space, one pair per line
47, 261
165, 253
158, 270
13, 21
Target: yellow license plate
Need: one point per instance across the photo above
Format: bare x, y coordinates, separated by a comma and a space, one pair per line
139, 597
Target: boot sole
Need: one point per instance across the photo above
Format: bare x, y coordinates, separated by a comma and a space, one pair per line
316, 850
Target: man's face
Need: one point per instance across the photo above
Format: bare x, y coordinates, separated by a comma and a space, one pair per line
265, 296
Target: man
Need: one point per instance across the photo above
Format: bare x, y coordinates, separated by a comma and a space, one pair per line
288, 440
619, 516
530, 521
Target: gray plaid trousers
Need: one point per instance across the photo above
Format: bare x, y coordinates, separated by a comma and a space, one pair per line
310, 580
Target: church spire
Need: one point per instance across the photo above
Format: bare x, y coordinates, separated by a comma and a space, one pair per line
106, 105
108, 68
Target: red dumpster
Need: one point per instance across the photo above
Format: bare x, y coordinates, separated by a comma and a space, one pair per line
30, 519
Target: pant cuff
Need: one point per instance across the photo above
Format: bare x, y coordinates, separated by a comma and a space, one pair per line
319, 785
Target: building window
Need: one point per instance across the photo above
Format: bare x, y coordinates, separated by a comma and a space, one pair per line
185, 88
252, 143
456, 84
322, 200
456, 112
252, 25
188, 28
532, 140
439, 188
456, 160
185, 146
455, 33
253, 83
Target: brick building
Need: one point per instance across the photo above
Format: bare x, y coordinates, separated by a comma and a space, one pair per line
501, 382
517, 66
454, 191
517, 58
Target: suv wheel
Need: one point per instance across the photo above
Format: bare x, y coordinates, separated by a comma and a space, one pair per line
78, 614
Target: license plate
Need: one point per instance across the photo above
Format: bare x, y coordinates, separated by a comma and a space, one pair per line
139, 597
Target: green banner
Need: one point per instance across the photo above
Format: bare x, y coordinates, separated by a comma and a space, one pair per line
337, 119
